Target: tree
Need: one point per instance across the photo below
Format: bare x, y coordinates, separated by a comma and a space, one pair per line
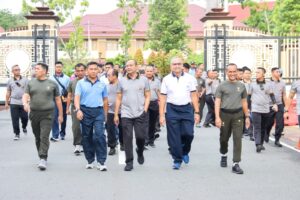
197, 58
132, 10
9, 20
151, 58
139, 57
286, 17
167, 28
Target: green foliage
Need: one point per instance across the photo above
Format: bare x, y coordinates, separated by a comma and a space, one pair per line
286, 17
9, 20
139, 57
151, 58
167, 27
197, 58
129, 21
119, 59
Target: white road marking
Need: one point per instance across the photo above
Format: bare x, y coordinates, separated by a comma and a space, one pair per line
121, 155
287, 146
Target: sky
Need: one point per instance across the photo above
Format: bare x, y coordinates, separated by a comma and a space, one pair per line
96, 6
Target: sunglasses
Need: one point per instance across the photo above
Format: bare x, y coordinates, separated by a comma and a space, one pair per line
261, 86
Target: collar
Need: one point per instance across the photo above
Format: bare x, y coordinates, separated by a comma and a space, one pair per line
88, 80
174, 75
17, 79
275, 80
261, 82
137, 77
61, 75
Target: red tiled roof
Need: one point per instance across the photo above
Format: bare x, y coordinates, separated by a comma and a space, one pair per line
109, 25
2, 30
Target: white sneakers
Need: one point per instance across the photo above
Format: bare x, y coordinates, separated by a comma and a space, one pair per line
42, 164
17, 137
99, 166
89, 166
77, 149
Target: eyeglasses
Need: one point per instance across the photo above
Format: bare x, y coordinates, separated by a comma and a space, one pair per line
16, 69
176, 64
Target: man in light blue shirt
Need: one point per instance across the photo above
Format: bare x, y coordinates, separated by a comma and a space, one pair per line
91, 106
62, 81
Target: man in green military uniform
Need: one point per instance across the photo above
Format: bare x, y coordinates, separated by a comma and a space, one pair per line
43, 94
230, 103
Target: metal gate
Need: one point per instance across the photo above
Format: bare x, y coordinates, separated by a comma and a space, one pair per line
251, 48
25, 48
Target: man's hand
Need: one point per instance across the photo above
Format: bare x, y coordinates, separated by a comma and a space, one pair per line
247, 121
68, 112
26, 107
275, 108
60, 119
197, 118
6, 106
116, 120
162, 120
218, 122
285, 115
79, 115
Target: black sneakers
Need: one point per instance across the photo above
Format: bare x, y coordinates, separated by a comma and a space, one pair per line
112, 151
223, 162
277, 143
237, 170
258, 148
128, 167
140, 157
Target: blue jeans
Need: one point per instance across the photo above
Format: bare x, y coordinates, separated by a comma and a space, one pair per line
93, 138
55, 124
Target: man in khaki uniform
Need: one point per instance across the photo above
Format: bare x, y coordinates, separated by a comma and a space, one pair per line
230, 103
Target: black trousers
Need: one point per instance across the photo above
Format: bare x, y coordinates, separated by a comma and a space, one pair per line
259, 126
140, 127
210, 102
278, 117
17, 112
153, 116
201, 105
113, 132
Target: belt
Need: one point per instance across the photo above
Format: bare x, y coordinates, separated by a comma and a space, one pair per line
179, 105
90, 107
231, 110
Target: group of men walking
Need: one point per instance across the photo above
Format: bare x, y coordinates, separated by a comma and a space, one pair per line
123, 104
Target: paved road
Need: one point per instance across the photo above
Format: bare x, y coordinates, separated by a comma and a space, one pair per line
273, 174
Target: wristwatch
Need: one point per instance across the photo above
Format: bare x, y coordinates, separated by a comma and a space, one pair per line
76, 110
285, 110
197, 113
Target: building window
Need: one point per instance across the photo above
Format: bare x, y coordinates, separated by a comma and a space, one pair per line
112, 45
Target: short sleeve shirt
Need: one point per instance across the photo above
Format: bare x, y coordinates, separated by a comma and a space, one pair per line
296, 89
279, 90
178, 89
71, 89
91, 94
112, 95
42, 94
231, 94
154, 88
133, 95
17, 88
260, 96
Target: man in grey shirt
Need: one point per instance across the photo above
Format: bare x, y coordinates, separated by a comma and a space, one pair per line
261, 94
278, 86
153, 112
133, 97
15, 90
113, 132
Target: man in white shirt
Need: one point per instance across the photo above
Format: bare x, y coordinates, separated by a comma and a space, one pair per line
179, 96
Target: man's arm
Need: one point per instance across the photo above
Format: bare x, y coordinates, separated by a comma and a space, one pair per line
105, 107
69, 102
117, 107
217, 112
147, 100
7, 97
289, 100
25, 101
246, 112
162, 105
195, 102
60, 109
